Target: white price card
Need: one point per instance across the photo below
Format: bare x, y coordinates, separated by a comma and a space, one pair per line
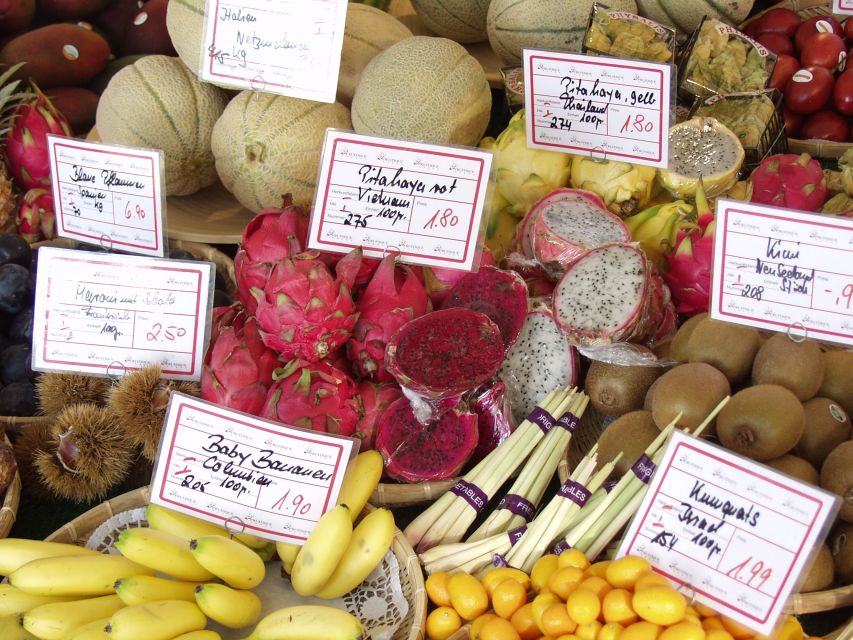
290, 47
420, 200
109, 195
735, 531
243, 472
104, 314
783, 270
604, 107
842, 7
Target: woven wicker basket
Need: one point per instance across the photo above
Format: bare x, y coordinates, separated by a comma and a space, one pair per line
78, 531
9, 510
809, 9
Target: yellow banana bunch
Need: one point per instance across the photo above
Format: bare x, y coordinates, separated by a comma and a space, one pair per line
81, 576
370, 541
233, 608
204, 634
11, 629
189, 528
141, 589
13, 600
266, 553
236, 564
360, 481
91, 631
308, 622
16, 552
162, 552
161, 620
287, 552
322, 551
55, 620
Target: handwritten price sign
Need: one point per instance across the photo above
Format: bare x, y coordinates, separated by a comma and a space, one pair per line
228, 467
605, 107
107, 313
778, 269
422, 201
733, 530
291, 47
842, 7
108, 195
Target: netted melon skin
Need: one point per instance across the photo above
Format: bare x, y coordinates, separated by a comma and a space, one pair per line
185, 24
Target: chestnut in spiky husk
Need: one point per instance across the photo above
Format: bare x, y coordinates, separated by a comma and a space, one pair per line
55, 391
32, 439
140, 399
88, 453
8, 466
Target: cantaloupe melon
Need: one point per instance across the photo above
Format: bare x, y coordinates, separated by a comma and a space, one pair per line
558, 25
268, 145
460, 20
367, 32
423, 88
685, 15
185, 24
157, 102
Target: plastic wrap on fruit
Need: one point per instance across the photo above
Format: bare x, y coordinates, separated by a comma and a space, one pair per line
626, 35
493, 418
747, 114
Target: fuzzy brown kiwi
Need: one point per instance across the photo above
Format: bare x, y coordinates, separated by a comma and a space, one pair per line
796, 467
841, 545
55, 391
797, 366
678, 345
837, 378
827, 426
140, 399
661, 348
821, 573
647, 401
731, 348
615, 389
836, 475
629, 434
761, 422
32, 439
693, 389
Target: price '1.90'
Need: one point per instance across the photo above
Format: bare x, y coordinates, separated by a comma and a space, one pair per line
846, 297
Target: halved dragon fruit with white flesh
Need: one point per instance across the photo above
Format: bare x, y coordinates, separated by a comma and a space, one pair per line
566, 224
417, 453
602, 296
501, 295
539, 361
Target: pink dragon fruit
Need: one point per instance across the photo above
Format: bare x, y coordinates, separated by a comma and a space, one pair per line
313, 395
689, 268
439, 281
417, 453
273, 234
789, 180
305, 312
36, 219
384, 307
238, 367
375, 398
26, 142
365, 271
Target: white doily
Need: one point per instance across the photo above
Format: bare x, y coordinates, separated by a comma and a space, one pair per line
382, 602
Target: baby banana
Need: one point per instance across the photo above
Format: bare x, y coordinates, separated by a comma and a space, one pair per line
234, 563
141, 589
322, 551
13, 600
287, 552
308, 622
91, 631
360, 481
188, 528
11, 629
161, 551
371, 539
233, 608
161, 620
56, 620
79, 576
16, 552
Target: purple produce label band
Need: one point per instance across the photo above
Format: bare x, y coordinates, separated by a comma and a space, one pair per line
472, 494
499, 561
569, 422
608, 486
515, 534
561, 546
541, 419
644, 468
518, 505
575, 492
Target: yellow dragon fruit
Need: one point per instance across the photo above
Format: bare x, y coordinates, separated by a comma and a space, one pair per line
625, 188
657, 227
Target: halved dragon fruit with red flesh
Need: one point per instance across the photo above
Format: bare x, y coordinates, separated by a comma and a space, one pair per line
440, 281
313, 395
375, 398
540, 361
493, 419
36, 219
566, 224
421, 453
602, 296
501, 295
445, 353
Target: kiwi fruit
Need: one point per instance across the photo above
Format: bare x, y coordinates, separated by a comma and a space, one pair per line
692, 389
647, 401
728, 347
827, 426
615, 389
797, 366
796, 467
629, 434
821, 573
761, 422
678, 344
837, 379
836, 475
841, 545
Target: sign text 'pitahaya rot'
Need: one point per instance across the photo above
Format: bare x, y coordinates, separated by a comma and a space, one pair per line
783, 270
245, 473
109, 195
289, 47
421, 201
605, 107
106, 314
735, 532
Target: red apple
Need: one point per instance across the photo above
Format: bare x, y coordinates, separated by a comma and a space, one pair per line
782, 21
824, 50
809, 89
825, 125
842, 93
817, 24
778, 43
785, 67
792, 122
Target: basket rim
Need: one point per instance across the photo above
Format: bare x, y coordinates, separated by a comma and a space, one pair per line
11, 501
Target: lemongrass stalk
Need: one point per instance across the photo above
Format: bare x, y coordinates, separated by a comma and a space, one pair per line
613, 527
701, 427
458, 552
